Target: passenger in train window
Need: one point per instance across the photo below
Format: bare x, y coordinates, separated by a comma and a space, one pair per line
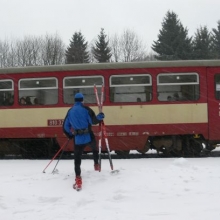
185, 96
80, 118
176, 96
22, 101
36, 102
9, 101
169, 98
28, 101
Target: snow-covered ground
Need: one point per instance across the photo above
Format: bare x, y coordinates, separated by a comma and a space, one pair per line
143, 189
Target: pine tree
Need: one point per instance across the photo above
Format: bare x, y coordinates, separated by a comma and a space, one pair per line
77, 50
101, 50
202, 44
173, 42
215, 38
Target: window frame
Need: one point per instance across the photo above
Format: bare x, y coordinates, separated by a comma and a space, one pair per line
9, 92
83, 87
168, 74
217, 91
37, 88
143, 84
5, 80
150, 85
72, 87
197, 82
47, 88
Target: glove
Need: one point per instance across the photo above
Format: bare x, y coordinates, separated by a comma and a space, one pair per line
100, 116
70, 136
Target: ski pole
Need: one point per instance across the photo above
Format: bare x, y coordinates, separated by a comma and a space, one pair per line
60, 156
65, 144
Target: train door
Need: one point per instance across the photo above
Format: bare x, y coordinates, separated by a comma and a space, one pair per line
213, 84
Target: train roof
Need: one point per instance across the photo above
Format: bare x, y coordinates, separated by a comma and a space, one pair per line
103, 66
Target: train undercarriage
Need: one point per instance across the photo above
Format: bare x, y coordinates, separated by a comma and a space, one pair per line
178, 145
28, 148
169, 145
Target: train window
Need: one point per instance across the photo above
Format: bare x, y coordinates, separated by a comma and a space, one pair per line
6, 92
35, 91
178, 86
82, 84
131, 88
217, 86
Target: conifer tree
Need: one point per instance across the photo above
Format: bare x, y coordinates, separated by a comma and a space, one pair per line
101, 50
173, 42
202, 44
77, 50
215, 38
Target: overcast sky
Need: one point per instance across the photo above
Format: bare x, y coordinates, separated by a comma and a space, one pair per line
19, 18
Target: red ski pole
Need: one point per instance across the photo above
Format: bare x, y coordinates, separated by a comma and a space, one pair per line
64, 145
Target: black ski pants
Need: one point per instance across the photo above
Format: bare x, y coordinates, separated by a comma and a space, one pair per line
78, 151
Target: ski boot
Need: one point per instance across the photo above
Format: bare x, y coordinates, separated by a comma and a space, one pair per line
97, 167
78, 184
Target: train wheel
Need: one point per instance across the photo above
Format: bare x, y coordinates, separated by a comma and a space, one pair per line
196, 147
145, 149
210, 147
191, 146
123, 154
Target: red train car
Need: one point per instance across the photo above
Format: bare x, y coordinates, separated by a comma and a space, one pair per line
173, 107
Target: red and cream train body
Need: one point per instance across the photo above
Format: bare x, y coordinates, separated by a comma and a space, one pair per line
173, 107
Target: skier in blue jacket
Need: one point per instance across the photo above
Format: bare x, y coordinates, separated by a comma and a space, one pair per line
78, 125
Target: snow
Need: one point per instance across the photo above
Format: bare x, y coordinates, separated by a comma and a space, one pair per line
149, 188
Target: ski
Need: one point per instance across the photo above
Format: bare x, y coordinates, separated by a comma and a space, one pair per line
107, 144
102, 129
100, 126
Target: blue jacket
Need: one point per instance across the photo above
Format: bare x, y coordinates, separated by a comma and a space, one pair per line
80, 117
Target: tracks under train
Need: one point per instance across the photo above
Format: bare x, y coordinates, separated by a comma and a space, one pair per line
116, 156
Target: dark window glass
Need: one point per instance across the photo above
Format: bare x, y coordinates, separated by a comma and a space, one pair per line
6, 92
217, 86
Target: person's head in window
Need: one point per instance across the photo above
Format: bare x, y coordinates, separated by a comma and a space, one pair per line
22, 101
176, 96
36, 102
169, 98
9, 100
28, 101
